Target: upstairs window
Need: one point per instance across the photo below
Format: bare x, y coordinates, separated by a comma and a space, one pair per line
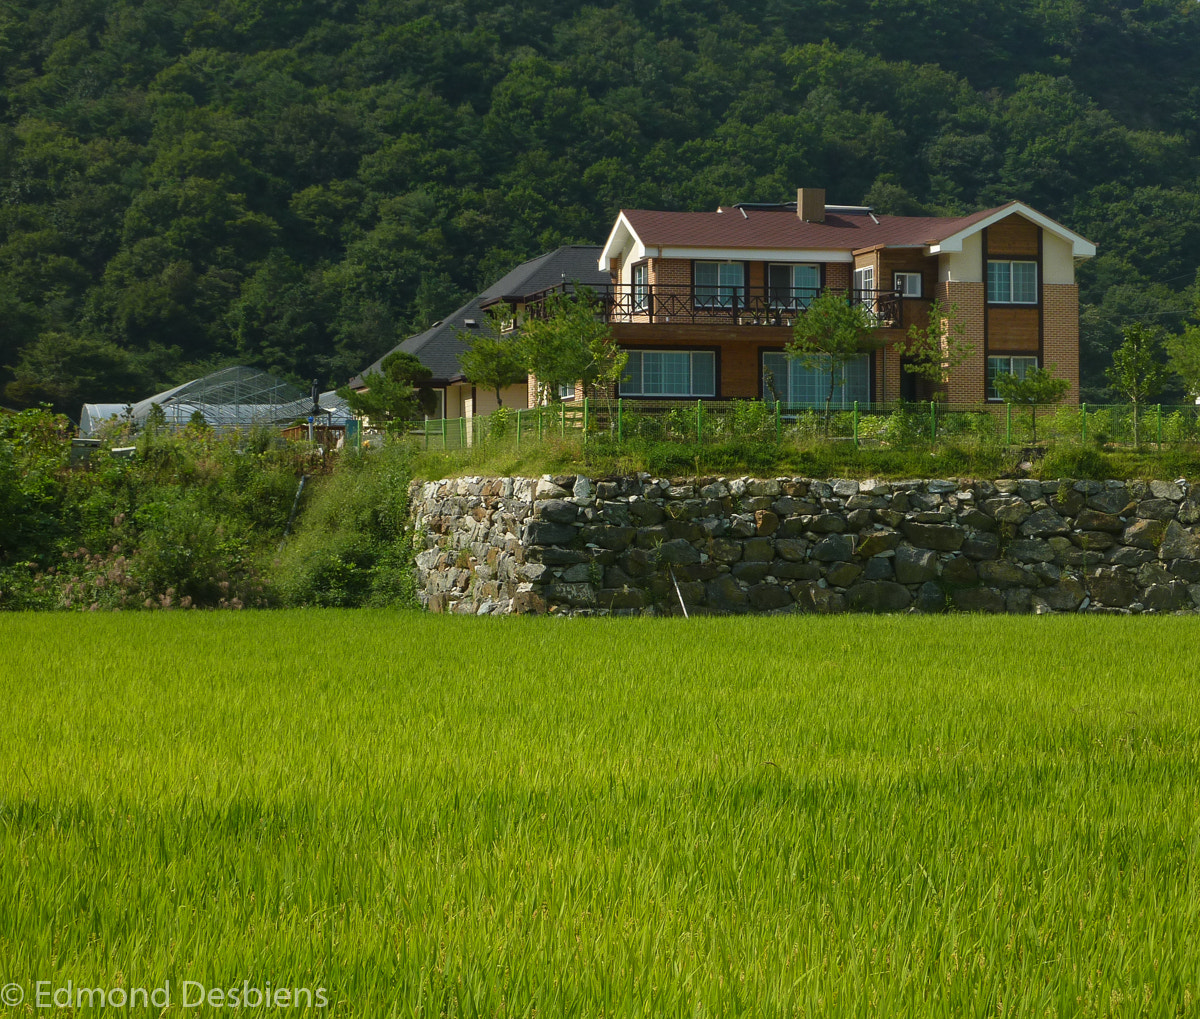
641, 287
670, 373
1012, 282
792, 286
907, 284
719, 284
864, 282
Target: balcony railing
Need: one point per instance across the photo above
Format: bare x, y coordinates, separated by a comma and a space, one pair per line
720, 305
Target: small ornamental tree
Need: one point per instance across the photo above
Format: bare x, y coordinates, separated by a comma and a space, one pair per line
828, 336
1040, 385
570, 344
393, 396
1137, 371
1183, 353
933, 351
492, 359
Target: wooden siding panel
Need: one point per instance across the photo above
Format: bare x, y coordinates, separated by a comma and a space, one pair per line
1012, 330
1012, 236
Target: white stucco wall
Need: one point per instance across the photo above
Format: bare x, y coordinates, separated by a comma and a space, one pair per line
1058, 264
964, 266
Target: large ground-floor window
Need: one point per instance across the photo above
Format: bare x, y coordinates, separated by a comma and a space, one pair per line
805, 380
670, 373
1007, 364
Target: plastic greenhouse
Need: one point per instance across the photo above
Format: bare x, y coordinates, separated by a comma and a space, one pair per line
230, 398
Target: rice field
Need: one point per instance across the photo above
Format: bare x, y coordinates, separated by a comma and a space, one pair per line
431, 816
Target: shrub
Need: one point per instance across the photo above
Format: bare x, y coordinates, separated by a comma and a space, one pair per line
1077, 462
353, 546
498, 423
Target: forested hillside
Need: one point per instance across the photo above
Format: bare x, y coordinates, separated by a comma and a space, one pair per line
299, 185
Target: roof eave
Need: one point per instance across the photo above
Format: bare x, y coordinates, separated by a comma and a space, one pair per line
622, 236
1081, 247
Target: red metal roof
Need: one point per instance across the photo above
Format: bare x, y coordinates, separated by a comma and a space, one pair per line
769, 228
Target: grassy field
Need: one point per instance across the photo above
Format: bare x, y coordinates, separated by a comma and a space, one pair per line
430, 816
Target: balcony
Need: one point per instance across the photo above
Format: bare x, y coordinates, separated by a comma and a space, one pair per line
725, 305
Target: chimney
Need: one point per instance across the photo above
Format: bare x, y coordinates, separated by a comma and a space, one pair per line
810, 204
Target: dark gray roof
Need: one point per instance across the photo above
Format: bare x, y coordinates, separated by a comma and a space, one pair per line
438, 346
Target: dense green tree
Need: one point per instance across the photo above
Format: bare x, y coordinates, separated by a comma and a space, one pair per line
567, 343
1183, 349
493, 355
63, 370
394, 395
299, 187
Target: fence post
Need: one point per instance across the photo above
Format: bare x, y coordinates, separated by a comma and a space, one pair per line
518, 428
585, 418
1158, 413
562, 421
856, 424
443, 434
620, 422
699, 427
778, 428
932, 421
462, 432
1008, 423
426, 431
1083, 422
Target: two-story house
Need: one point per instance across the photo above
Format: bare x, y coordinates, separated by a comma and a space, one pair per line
704, 302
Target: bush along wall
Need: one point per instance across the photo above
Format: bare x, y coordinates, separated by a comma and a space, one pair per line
646, 546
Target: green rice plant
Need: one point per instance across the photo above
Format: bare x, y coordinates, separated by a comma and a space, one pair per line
375, 804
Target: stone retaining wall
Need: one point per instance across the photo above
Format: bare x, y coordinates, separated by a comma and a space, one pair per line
640, 545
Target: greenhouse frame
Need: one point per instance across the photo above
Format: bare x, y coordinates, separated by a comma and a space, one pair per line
229, 399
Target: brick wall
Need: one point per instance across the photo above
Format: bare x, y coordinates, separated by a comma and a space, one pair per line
1060, 334
887, 388
671, 272
837, 275
969, 380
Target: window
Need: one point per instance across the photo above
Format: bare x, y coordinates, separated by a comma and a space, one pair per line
864, 282
566, 391
719, 284
908, 284
1012, 282
805, 380
1006, 365
670, 373
641, 287
792, 286
864, 287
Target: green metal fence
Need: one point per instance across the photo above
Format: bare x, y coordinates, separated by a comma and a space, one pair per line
903, 425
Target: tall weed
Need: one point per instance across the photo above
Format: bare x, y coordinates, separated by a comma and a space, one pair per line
353, 546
